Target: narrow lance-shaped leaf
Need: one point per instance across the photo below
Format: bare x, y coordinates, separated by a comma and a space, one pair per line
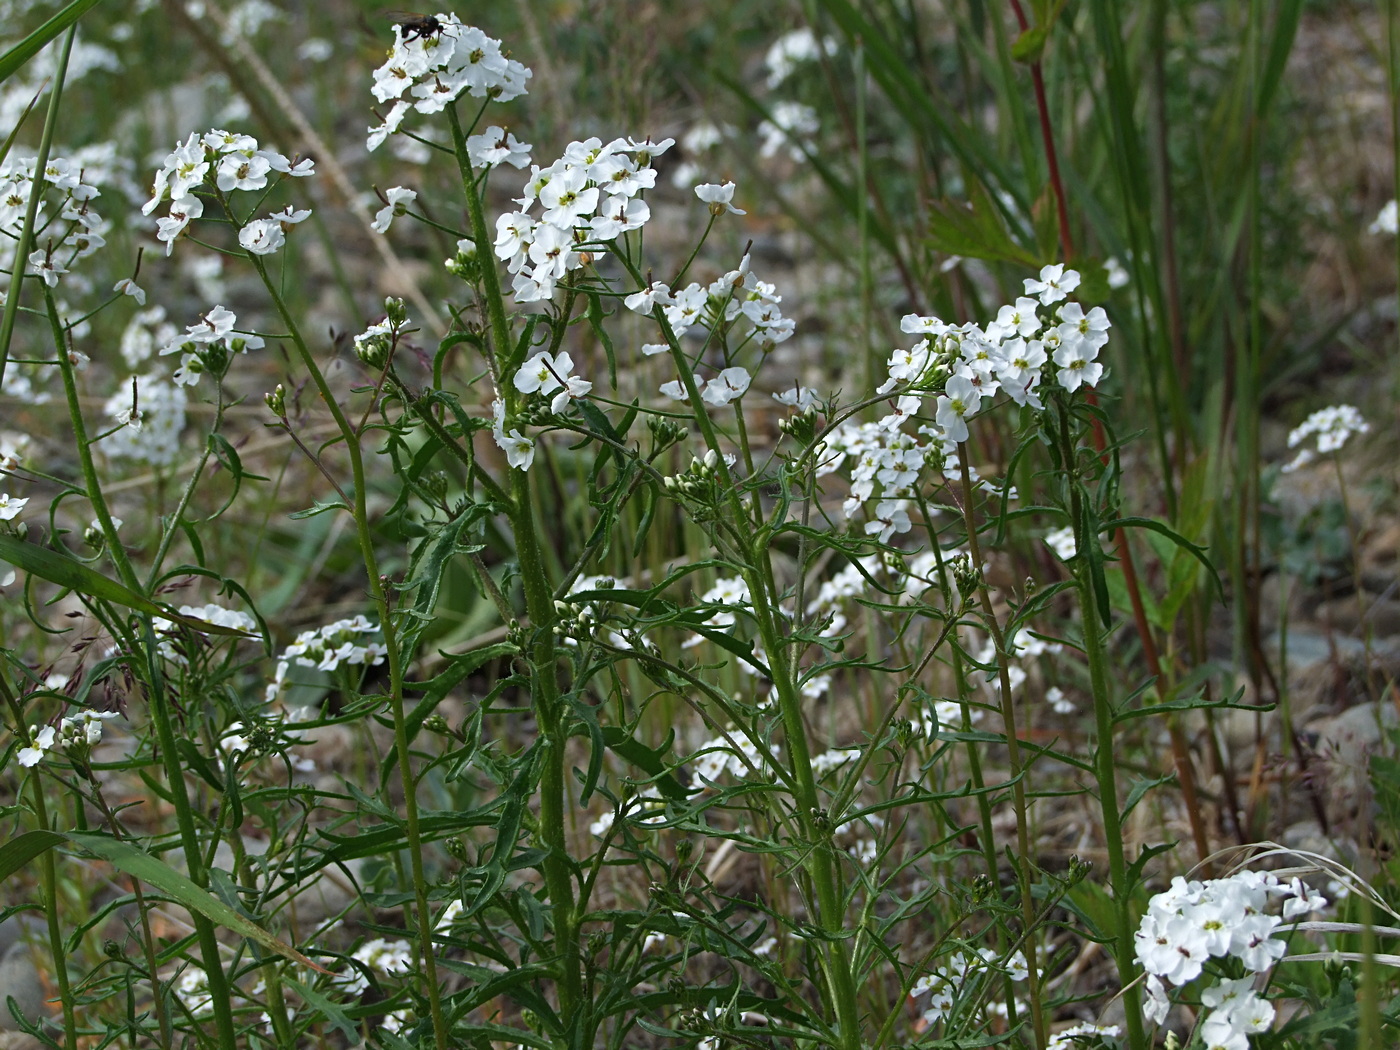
73, 574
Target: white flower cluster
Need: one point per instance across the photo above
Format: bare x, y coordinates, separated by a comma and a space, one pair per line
215, 333
945, 985
1195, 921
1333, 426
1076, 1037
736, 295
902, 585
958, 366
73, 233
794, 48
588, 197
379, 955
79, 733
788, 128
434, 69
727, 591
233, 162
328, 648
192, 989
150, 411
717, 757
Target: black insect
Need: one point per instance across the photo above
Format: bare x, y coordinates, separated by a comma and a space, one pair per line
418, 27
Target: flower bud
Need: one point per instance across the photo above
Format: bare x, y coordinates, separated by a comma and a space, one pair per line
277, 401
711, 459
395, 311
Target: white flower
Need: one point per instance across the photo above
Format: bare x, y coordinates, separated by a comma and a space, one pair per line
725, 387
239, 172
519, 450
959, 401
126, 286
545, 373
646, 300
718, 198
1055, 284
497, 146
43, 264
676, 390
10, 506
43, 741
799, 397
182, 210
262, 236
398, 198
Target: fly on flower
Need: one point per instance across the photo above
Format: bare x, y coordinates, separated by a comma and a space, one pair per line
415, 26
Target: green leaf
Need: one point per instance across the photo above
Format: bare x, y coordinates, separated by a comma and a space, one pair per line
70, 573
1162, 529
18, 852
141, 865
974, 229
337, 1017
1029, 47
651, 761
35, 42
318, 508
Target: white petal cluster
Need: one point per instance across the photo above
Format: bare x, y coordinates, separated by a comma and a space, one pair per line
718, 757
79, 733
551, 374
788, 128
957, 371
379, 955
329, 648
426, 73
1221, 918
1079, 1036
964, 974
215, 332
229, 162
72, 228
587, 198
151, 420
794, 48
1332, 426
736, 298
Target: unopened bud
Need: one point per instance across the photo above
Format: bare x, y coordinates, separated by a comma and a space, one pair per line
395, 311
277, 401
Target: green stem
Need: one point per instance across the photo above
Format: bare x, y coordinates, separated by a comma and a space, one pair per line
36, 191
539, 605
394, 657
161, 716
1013, 748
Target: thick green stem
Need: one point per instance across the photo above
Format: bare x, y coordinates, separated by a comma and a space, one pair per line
394, 657
1106, 775
539, 605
